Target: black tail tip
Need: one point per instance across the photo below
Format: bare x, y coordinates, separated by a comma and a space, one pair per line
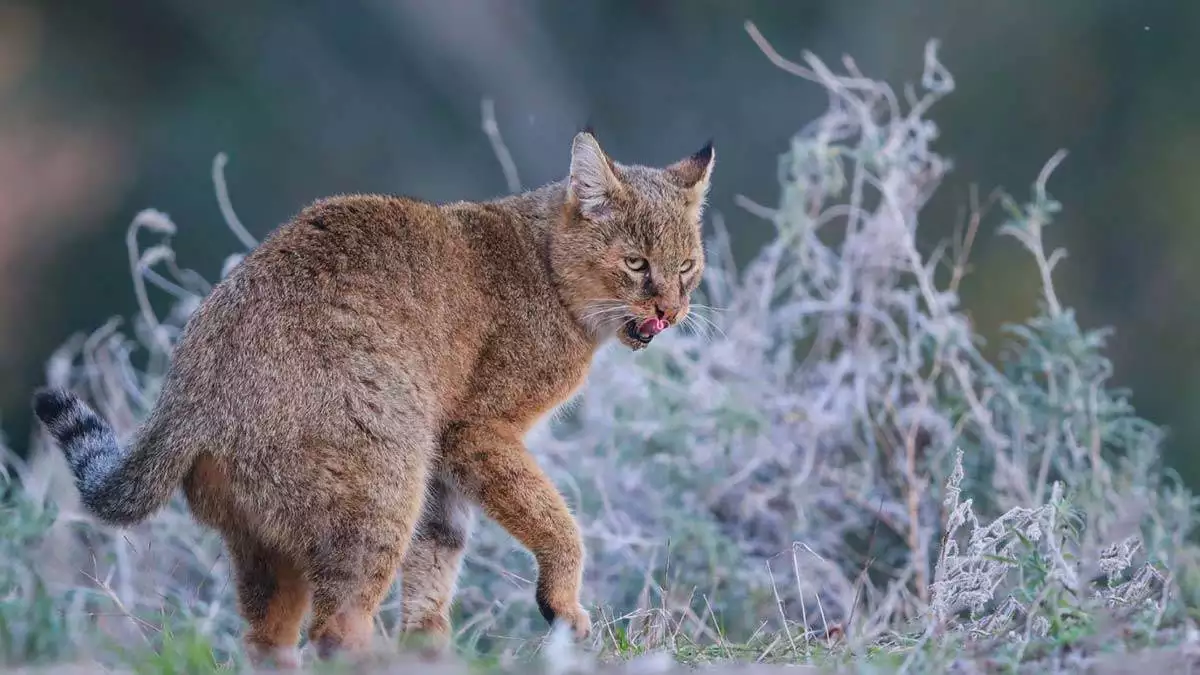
50, 404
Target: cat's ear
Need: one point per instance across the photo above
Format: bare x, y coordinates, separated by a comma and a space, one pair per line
593, 183
693, 173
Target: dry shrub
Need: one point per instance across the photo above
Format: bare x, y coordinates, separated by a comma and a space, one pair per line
787, 478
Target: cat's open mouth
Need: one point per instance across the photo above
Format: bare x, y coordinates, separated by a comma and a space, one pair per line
640, 333
632, 332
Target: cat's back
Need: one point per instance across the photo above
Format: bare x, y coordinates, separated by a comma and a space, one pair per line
370, 255
356, 295
353, 239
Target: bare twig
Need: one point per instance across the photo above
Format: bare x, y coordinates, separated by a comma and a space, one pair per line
231, 219
492, 130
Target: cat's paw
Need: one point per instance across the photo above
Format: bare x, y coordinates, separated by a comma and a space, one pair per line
428, 637
268, 657
576, 620
565, 611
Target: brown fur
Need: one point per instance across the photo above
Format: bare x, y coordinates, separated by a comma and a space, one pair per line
342, 400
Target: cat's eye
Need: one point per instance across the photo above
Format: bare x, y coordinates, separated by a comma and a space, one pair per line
635, 264
687, 266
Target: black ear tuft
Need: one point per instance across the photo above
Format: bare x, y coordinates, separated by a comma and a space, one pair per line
693, 171
588, 129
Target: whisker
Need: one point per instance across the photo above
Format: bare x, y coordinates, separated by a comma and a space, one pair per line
689, 325
708, 321
598, 313
603, 305
603, 313
603, 308
696, 328
606, 306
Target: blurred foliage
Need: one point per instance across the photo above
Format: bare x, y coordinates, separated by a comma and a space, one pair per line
731, 481
32, 626
317, 98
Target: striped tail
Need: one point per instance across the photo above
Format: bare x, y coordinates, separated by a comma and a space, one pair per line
119, 485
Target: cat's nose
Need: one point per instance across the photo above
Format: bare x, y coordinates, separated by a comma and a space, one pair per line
667, 311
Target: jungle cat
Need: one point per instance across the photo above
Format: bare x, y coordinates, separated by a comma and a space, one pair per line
339, 405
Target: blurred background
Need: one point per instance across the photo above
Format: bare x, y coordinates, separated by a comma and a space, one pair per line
108, 108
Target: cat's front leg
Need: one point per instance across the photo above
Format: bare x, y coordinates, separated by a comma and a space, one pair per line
492, 466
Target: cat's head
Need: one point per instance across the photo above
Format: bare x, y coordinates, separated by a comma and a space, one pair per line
629, 244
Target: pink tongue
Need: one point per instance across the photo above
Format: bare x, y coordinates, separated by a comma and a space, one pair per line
652, 326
